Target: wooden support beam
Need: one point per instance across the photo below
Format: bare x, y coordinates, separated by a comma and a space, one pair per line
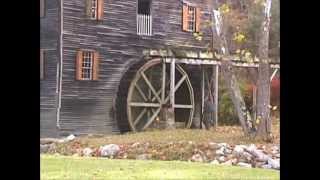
184, 106
236, 63
254, 102
163, 81
216, 95
170, 119
172, 82
202, 96
142, 104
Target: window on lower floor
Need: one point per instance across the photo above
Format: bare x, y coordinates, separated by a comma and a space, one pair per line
87, 65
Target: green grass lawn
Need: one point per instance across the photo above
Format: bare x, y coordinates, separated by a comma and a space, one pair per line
77, 168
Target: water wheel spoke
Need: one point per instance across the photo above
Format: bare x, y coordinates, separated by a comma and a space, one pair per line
141, 92
185, 106
151, 119
143, 104
139, 116
150, 86
159, 92
176, 87
180, 82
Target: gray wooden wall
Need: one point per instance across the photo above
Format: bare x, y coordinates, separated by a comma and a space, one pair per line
88, 106
49, 41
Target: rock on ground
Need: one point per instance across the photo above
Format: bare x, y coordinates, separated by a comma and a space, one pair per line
275, 164
214, 162
242, 164
197, 158
44, 148
87, 151
143, 156
109, 150
70, 137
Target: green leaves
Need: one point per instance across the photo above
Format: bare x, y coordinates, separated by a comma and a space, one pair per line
224, 8
198, 35
239, 37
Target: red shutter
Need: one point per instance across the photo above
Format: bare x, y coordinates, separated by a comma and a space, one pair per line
100, 9
185, 18
95, 72
198, 19
79, 60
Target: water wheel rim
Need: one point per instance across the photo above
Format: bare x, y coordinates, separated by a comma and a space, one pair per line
139, 75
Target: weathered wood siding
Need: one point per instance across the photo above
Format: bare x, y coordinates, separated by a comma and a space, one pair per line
49, 41
87, 106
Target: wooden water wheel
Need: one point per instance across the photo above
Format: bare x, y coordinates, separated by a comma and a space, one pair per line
148, 96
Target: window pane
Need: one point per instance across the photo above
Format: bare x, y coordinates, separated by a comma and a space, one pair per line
87, 65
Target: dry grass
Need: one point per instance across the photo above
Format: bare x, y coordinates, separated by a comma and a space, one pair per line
228, 134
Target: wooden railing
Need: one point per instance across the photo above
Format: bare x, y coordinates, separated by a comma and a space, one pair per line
144, 25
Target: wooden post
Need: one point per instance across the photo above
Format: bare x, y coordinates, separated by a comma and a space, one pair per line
202, 96
216, 93
170, 119
254, 102
163, 81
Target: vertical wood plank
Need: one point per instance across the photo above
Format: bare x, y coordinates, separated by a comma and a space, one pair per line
254, 102
172, 82
216, 95
163, 94
202, 96
41, 64
170, 118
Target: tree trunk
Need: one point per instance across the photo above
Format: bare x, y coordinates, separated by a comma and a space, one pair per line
263, 92
235, 94
229, 77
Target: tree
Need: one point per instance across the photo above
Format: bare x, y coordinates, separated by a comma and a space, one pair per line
260, 127
263, 94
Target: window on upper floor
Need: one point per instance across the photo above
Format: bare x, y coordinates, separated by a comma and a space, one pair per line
190, 18
42, 8
87, 63
144, 18
41, 64
95, 9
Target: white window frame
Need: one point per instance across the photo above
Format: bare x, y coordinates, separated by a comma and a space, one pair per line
94, 9
87, 64
191, 20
